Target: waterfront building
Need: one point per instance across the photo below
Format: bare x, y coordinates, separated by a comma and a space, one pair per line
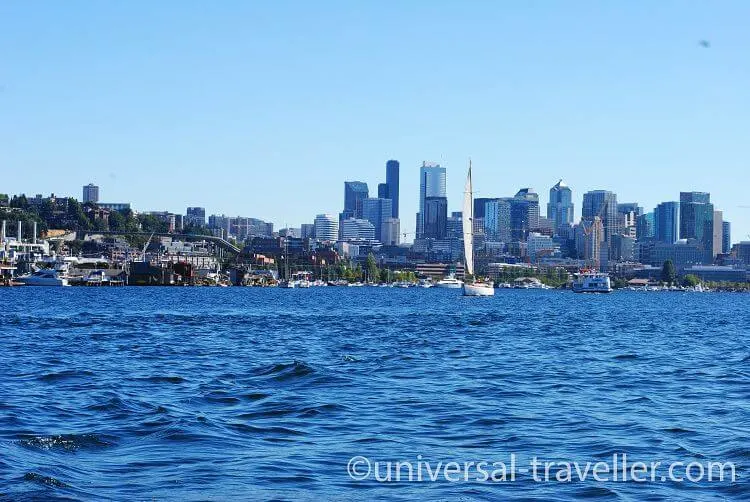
435, 217
376, 211
432, 183
357, 229
602, 203
741, 251
354, 193
726, 237
326, 228
697, 218
560, 209
683, 253
716, 273
667, 222
196, 216
90, 193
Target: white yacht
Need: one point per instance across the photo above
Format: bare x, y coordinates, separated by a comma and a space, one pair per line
474, 287
591, 282
449, 282
44, 277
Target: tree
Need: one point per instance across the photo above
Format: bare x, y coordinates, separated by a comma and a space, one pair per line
668, 273
373, 274
691, 280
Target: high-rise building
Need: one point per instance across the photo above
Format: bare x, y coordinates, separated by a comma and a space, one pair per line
382, 191
602, 203
726, 237
90, 193
593, 239
560, 205
667, 222
326, 228
497, 219
354, 193
454, 226
376, 211
196, 216
645, 226
392, 168
480, 206
431, 184
307, 230
357, 229
435, 217
697, 218
524, 214
718, 237
391, 232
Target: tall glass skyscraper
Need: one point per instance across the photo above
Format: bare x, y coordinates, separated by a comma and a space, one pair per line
667, 222
377, 211
524, 213
497, 219
392, 168
354, 193
560, 205
435, 217
726, 237
431, 184
602, 203
697, 218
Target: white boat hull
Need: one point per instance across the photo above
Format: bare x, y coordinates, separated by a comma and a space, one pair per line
33, 281
479, 289
449, 285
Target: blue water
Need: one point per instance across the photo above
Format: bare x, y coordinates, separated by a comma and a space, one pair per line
247, 394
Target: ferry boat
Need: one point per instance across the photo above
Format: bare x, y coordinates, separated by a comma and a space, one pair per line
591, 282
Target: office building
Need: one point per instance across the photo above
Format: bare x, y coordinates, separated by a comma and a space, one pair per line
697, 218
480, 206
90, 193
601, 203
726, 237
196, 216
431, 184
645, 226
326, 228
718, 237
497, 219
524, 214
667, 222
376, 211
391, 232
560, 208
307, 230
435, 217
392, 168
357, 229
354, 193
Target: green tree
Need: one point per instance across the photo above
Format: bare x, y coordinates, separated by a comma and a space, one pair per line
668, 273
691, 280
373, 274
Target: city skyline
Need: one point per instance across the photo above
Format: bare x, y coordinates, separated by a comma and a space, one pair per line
571, 94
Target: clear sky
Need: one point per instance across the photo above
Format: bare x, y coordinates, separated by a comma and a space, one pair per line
264, 108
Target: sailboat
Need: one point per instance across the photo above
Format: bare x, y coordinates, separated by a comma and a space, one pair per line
473, 286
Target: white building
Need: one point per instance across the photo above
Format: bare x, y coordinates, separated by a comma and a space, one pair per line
357, 229
326, 227
539, 244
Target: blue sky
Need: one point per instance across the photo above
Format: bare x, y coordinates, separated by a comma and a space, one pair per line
265, 108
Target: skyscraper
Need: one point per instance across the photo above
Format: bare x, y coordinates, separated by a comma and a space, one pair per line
431, 184
357, 229
435, 217
602, 203
524, 213
377, 211
667, 222
90, 193
560, 205
354, 193
697, 218
645, 226
480, 205
726, 237
392, 168
718, 237
196, 216
326, 228
497, 219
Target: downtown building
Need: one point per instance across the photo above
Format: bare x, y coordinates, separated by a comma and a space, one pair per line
377, 211
432, 183
560, 209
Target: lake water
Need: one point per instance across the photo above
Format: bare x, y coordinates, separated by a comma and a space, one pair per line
247, 394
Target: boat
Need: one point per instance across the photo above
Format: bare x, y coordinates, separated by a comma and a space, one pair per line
43, 277
449, 282
287, 283
591, 282
473, 286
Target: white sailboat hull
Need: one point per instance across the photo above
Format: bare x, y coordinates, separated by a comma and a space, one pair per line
479, 289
